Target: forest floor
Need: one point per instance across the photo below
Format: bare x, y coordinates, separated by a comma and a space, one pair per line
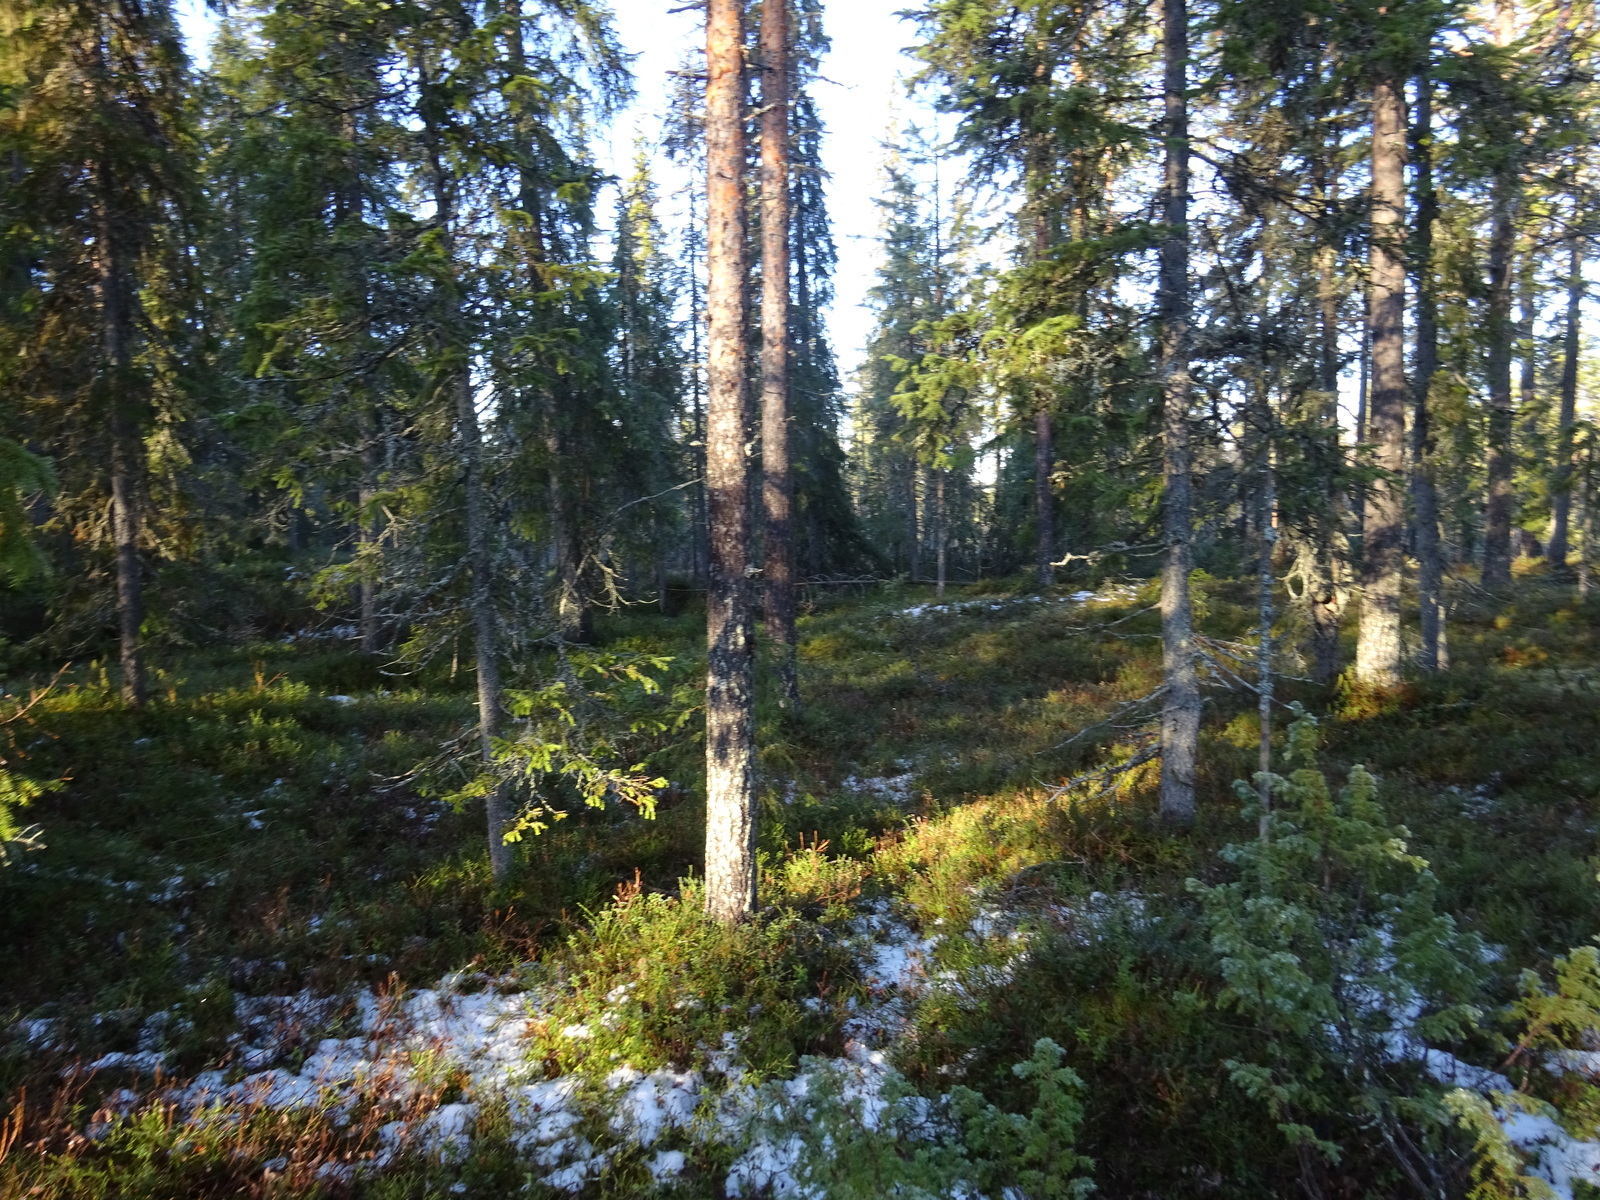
255, 959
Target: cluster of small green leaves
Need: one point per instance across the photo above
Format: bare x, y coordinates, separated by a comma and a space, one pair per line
591, 726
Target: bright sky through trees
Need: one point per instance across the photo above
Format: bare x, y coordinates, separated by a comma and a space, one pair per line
865, 92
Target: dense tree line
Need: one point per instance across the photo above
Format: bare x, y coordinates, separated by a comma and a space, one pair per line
1292, 289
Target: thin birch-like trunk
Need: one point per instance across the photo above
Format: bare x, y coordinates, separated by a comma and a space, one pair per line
730, 697
1378, 648
913, 521
1265, 616
1043, 459
1319, 561
367, 531
1180, 714
1424, 494
1561, 479
1497, 502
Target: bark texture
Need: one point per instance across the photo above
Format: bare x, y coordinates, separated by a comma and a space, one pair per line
1180, 714
1424, 493
1043, 457
1561, 478
1497, 501
485, 634
1383, 519
777, 485
730, 700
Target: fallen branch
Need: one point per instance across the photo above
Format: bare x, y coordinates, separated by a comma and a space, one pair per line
1109, 774
1107, 720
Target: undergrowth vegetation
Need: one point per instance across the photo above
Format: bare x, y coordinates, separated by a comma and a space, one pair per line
1197, 1015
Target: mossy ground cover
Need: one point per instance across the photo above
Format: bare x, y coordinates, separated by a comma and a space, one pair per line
257, 830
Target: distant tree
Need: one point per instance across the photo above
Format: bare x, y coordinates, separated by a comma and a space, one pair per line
99, 143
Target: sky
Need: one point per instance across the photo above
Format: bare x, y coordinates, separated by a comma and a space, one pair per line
862, 92
861, 96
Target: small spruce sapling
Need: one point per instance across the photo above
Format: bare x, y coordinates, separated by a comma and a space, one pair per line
1330, 941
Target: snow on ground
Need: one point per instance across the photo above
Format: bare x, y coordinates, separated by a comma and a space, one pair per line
1116, 594
389, 1046
896, 789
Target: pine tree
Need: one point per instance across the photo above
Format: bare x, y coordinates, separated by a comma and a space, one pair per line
730, 712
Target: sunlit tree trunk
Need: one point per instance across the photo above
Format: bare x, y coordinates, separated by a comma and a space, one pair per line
730, 700
1180, 715
1383, 524
777, 486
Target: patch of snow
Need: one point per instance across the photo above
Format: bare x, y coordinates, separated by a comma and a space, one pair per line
649, 1104
666, 1165
897, 789
1112, 594
144, 1061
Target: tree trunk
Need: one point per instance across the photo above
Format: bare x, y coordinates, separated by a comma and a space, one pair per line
1383, 524
777, 485
941, 529
1424, 494
574, 620
1586, 534
914, 523
1363, 390
1180, 714
126, 448
485, 634
1497, 504
367, 531
1561, 481
1043, 459
455, 355
1265, 616
730, 699
1319, 565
